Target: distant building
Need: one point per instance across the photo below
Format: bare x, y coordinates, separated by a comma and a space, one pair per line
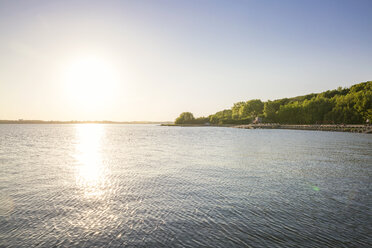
257, 120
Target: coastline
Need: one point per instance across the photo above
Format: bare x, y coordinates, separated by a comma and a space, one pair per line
332, 128
357, 128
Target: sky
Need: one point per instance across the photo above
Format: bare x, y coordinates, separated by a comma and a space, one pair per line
152, 60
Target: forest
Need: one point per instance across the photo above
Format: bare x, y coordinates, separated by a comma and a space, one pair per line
339, 106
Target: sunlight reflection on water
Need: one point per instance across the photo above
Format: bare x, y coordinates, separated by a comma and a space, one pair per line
90, 170
99, 185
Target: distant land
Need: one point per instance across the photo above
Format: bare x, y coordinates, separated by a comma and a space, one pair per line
351, 105
21, 121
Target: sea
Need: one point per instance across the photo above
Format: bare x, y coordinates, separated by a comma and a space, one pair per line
97, 185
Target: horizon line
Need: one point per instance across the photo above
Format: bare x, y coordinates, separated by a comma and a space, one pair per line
25, 121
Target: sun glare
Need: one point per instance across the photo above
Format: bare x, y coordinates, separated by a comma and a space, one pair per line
90, 169
90, 82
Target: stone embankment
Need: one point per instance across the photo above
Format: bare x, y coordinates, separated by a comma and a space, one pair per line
335, 128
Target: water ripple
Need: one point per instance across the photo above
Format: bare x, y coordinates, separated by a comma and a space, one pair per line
151, 186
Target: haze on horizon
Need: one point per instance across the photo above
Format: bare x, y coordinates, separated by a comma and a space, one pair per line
152, 60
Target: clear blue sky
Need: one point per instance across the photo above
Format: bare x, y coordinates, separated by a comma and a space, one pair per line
160, 58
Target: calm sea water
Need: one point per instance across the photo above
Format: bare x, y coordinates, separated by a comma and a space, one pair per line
152, 186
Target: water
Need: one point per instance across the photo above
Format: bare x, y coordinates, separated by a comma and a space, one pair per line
152, 186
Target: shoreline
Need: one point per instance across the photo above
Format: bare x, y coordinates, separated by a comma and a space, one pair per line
356, 128
332, 128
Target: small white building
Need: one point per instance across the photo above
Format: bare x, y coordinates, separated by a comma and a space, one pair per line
257, 120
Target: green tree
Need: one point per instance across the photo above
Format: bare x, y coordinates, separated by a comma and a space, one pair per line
185, 118
271, 110
343, 105
314, 110
291, 113
236, 110
251, 109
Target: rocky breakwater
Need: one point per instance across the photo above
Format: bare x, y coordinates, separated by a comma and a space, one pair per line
335, 128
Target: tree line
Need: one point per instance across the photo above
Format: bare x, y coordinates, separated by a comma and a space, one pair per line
340, 106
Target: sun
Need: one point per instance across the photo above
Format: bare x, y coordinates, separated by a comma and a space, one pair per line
90, 82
